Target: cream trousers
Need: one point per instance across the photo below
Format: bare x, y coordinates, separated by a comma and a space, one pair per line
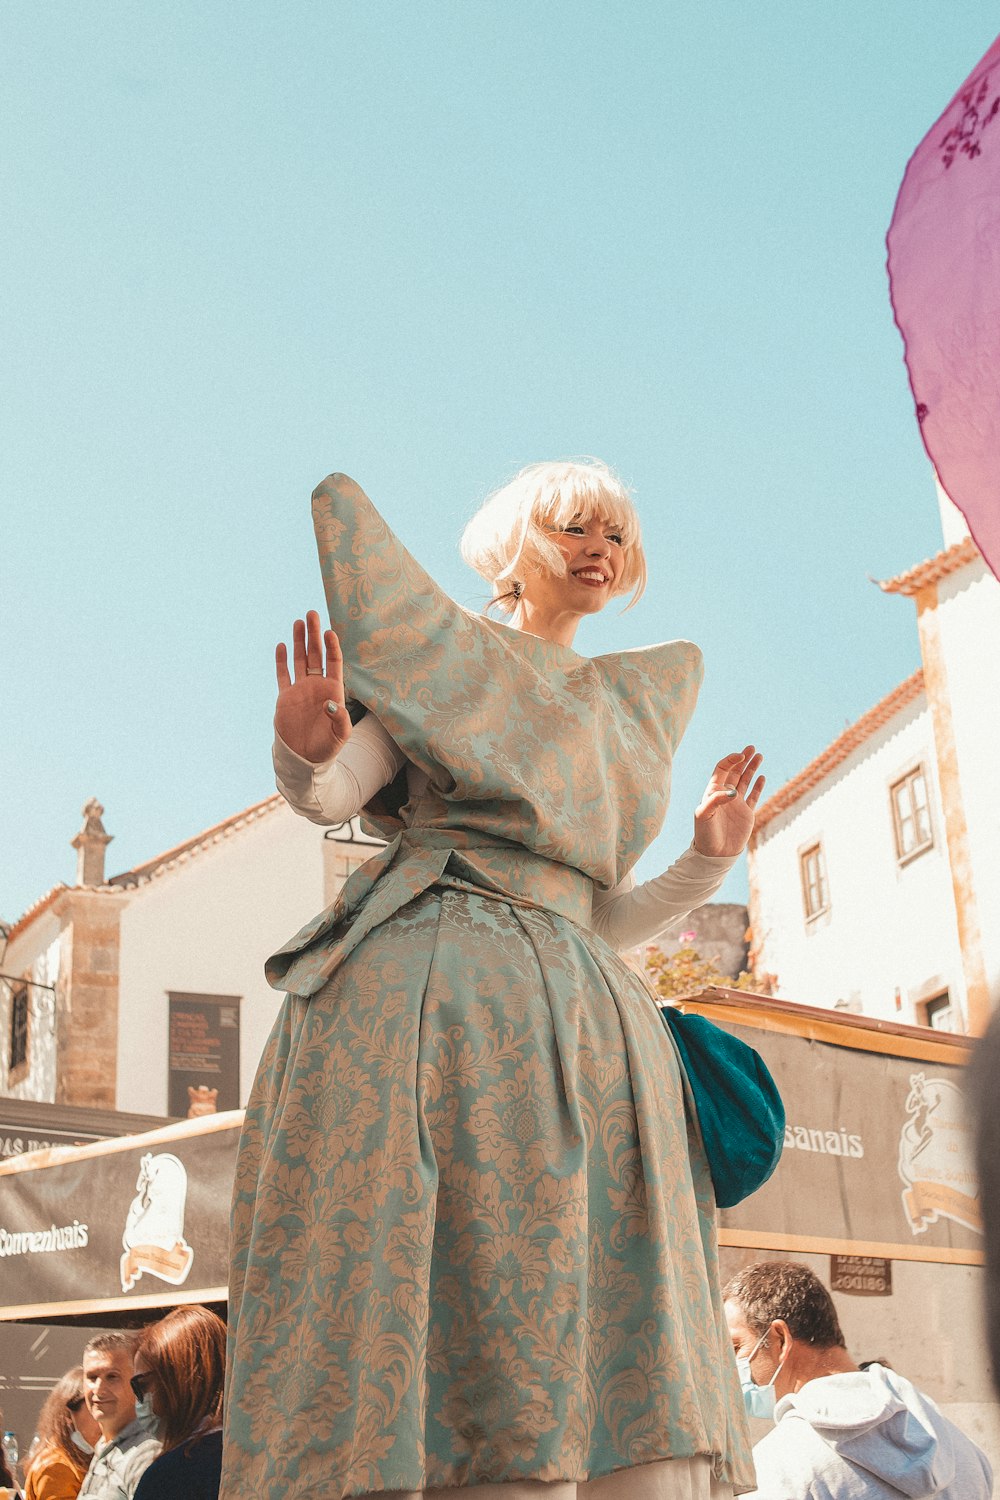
671, 1479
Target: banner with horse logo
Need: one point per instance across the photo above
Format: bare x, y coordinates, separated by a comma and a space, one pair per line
878, 1154
141, 1221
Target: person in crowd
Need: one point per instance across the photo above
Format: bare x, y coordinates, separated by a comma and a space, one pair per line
840, 1433
180, 1365
474, 1241
66, 1436
126, 1446
87, 1434
7, 1480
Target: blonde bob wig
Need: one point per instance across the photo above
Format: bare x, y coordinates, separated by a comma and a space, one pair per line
508, 537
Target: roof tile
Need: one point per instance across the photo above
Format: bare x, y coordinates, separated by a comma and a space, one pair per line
853, 736
932, 568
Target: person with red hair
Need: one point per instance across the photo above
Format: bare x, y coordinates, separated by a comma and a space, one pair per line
66, 1436
180, 1365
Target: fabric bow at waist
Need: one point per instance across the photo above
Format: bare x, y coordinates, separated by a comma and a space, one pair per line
414, 861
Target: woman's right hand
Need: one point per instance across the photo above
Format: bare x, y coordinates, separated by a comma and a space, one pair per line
310, 715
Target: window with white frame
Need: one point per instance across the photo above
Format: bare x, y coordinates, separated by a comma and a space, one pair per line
911, 815
937, 1012
815, 891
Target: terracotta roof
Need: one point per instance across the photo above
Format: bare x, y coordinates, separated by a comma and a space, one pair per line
159, 865
42, 904
180, 853
933, 568
842, 747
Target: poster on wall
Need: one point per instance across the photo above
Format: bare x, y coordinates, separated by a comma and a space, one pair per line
204, 1054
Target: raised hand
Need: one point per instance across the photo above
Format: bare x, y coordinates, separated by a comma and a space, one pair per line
310, 715
723, 821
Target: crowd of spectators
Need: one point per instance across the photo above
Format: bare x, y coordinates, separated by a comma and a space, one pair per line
139, 1419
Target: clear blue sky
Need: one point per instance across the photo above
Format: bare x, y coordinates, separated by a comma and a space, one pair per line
426, 243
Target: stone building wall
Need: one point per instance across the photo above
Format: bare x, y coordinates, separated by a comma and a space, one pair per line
718, 930
87, 997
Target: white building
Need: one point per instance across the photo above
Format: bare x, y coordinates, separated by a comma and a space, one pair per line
146, 992
875, 872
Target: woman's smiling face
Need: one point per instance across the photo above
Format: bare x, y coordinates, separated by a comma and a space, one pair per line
572, 512
594, 555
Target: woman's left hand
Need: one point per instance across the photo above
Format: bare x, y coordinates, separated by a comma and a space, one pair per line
724, 821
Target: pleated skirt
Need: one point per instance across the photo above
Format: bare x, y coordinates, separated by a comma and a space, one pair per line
473, 1229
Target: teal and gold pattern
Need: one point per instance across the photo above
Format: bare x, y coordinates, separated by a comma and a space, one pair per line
473, 1230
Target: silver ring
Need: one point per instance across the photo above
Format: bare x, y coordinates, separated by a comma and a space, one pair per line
314, 671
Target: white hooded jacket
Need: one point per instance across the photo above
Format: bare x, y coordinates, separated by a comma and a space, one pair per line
866, 1435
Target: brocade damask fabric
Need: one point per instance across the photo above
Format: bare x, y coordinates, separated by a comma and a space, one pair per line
473, 1225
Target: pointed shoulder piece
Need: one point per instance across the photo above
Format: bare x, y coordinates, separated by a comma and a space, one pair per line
516, 729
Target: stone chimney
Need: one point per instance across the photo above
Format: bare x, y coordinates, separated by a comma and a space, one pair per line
90, 844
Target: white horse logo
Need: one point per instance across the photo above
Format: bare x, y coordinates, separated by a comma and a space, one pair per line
154, 1228
934, 1163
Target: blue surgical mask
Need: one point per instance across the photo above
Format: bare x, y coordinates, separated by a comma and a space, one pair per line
145, 1414
759, 1400
81, 1442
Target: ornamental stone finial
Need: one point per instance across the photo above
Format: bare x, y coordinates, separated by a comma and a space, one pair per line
90, 844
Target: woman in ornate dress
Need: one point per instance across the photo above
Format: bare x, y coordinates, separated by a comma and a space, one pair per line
474, 1240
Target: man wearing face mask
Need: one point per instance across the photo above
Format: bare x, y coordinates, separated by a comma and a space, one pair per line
841, 1433
127, 1446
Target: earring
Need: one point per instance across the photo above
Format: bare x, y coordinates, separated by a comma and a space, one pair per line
517, 590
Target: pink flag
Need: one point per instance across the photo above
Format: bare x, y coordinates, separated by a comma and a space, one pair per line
944, 280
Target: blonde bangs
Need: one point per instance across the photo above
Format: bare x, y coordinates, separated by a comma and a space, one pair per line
508, 534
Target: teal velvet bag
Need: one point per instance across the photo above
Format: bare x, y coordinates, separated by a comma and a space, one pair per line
740, 1112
